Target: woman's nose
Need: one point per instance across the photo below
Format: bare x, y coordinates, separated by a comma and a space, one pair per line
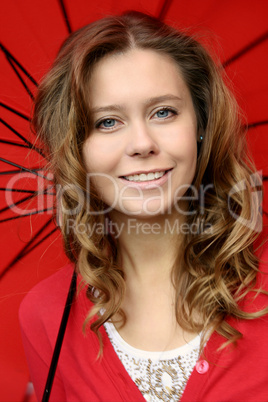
142, 142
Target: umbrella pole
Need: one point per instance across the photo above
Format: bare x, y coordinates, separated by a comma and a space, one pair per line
57, 349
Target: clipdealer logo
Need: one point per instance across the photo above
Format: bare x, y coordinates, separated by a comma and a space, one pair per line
135, 227
46, 197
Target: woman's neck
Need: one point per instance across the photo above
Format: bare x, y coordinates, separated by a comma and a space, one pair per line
148, 248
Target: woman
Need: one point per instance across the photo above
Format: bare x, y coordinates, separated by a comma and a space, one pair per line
158, 217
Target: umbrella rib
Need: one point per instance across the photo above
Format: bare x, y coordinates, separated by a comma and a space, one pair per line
65, 16
20, 78
246, 49
24, 215
257, 123
11, 109
22, 253
17, 190
24, 168
11, 57
164, 9
40, 241
29, 197
16, 171
16, 144
20, 190
30, 145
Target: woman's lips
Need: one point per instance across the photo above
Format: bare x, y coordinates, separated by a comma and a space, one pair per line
147, 180
145, 176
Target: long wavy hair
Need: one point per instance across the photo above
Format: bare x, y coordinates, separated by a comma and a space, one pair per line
218, 267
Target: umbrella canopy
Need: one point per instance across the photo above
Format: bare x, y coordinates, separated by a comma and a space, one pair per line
31, 32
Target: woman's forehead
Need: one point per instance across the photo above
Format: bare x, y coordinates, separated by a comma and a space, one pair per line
140, 73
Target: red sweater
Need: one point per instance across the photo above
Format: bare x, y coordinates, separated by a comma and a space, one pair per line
234, 374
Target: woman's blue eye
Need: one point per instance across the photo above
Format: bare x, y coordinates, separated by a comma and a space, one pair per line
163, 113
107, 123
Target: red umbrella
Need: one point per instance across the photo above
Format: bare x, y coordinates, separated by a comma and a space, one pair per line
31, 32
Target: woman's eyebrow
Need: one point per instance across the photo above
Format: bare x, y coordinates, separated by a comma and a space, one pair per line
148, 102
107, 108
163, 98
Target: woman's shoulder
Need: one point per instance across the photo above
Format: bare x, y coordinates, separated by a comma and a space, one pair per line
256, 298
50, 290
263, 256
45, 302
262, 277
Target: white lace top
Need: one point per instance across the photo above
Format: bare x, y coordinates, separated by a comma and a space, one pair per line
160, 376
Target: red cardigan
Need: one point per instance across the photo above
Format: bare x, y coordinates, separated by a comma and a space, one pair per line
234, 374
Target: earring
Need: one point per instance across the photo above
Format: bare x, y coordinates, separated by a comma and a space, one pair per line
199, 144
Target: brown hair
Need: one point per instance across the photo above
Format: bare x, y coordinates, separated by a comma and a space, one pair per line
219, 266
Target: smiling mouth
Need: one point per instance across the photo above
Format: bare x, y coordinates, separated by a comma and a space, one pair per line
146, 176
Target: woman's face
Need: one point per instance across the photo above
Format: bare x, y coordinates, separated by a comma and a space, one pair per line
141, 152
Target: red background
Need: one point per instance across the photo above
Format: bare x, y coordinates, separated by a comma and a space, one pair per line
32, 30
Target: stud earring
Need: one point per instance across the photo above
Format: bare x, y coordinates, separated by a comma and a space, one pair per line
201, 138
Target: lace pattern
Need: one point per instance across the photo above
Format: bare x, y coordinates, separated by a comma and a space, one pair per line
160, 376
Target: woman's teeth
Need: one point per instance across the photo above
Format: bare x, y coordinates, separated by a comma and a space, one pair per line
145, 177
